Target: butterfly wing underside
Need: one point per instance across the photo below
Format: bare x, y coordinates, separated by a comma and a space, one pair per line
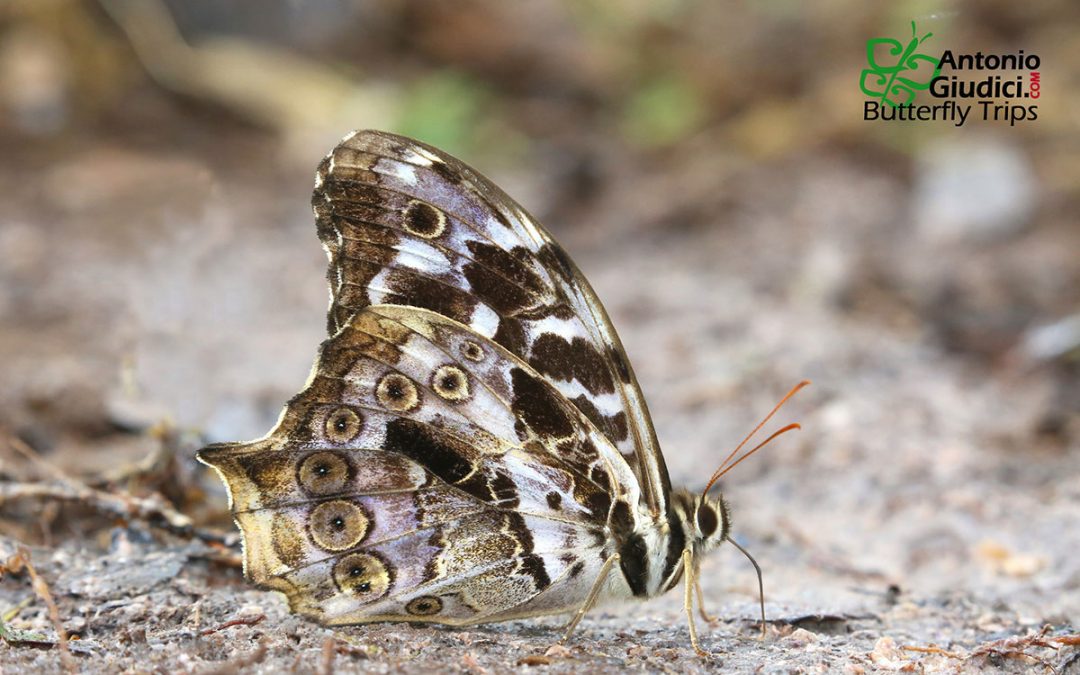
406, 224
471, 430
424, 473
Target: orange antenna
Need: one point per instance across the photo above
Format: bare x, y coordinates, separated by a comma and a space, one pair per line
757, 447
725, 467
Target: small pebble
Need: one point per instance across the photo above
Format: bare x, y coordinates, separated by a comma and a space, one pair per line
799, 638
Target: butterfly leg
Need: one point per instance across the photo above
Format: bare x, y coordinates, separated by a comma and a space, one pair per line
688, 599
591, 599
701, 602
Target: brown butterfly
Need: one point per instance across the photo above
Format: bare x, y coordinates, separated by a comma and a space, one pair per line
471, 445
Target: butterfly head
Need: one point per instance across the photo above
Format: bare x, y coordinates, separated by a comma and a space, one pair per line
712, 520
705, 519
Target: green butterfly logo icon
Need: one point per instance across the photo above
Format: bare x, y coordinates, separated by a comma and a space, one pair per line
903, 73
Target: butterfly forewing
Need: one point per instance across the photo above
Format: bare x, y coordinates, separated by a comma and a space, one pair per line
406, 224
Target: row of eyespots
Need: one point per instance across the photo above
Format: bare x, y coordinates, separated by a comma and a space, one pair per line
398, 393
395, 392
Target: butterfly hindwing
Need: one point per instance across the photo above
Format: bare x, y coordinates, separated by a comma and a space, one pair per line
424, 473
406, 224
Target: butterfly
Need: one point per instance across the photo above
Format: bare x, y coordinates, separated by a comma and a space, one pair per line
471, 445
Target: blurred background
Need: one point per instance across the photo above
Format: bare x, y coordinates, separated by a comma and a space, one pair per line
707, 166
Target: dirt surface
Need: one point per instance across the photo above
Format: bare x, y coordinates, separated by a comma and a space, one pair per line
161, 286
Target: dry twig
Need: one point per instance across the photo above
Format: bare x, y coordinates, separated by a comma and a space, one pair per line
1011, 647
21, 561
933, 649
153, 510
244, 621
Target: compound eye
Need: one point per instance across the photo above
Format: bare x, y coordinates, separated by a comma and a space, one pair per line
707, 520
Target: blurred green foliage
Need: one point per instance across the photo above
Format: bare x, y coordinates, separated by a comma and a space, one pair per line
442, 108
662, 111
